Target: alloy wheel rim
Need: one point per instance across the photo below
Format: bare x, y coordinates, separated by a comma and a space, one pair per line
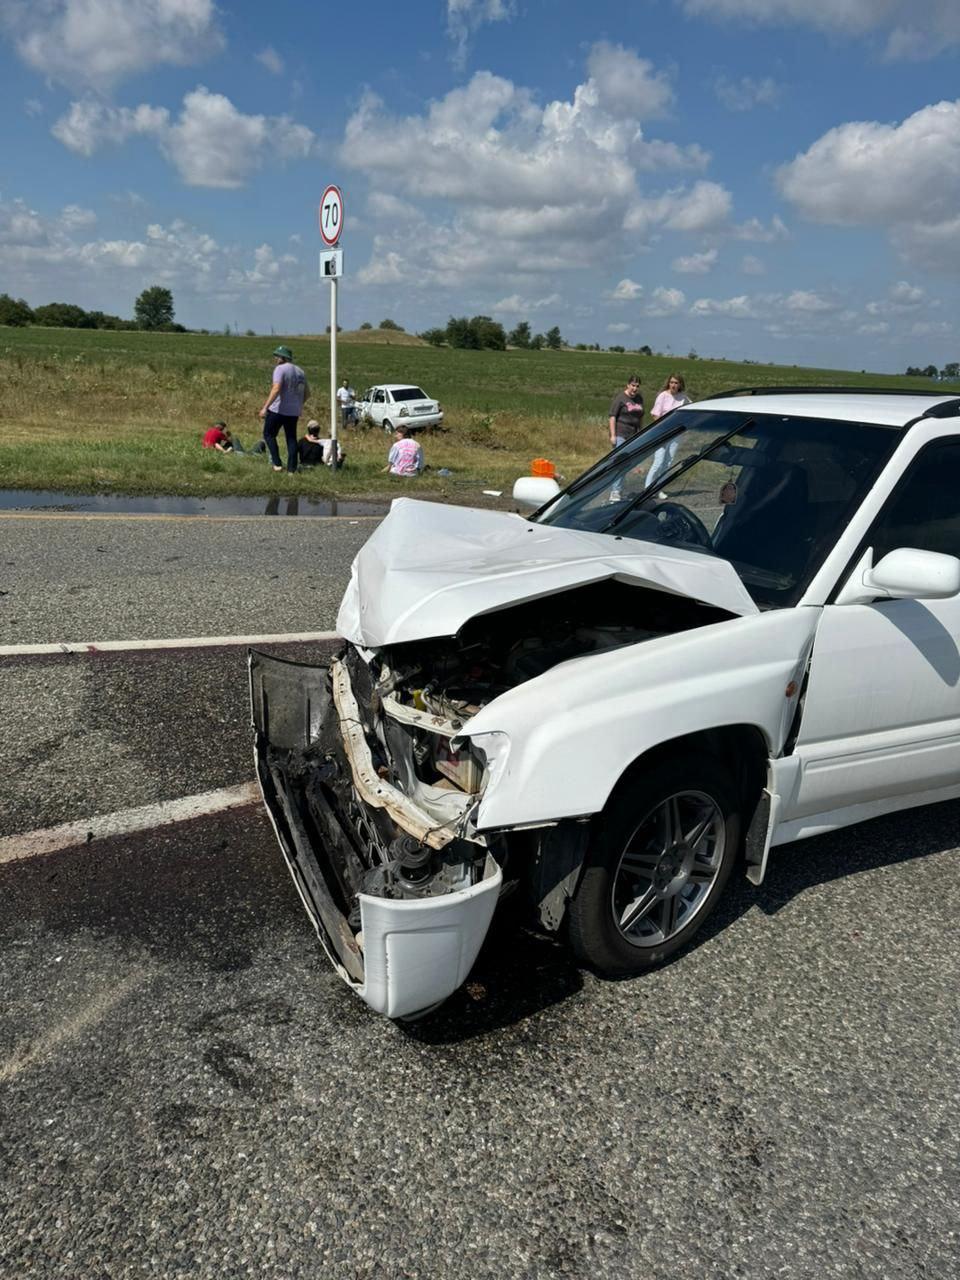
668, 867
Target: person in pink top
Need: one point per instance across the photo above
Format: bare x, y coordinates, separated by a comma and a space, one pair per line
405, 457
672, 396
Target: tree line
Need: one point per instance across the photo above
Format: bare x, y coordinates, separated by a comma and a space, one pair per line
482, 333
949, 371
152, 310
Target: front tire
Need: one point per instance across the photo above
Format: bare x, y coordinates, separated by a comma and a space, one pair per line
666, 843
387, 424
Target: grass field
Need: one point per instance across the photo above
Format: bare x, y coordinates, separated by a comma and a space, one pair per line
96, 411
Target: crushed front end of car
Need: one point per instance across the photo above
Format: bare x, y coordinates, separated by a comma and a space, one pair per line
385, 771
399, 885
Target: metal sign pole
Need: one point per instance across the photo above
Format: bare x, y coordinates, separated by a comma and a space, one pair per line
333, 364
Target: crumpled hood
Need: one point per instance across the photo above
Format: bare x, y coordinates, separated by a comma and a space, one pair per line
429, 568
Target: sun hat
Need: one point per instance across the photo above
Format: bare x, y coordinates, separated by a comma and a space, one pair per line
283, 351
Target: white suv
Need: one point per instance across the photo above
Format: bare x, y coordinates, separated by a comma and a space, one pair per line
395, 404
607, 705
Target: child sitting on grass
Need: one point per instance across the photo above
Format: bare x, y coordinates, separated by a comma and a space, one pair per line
406, 456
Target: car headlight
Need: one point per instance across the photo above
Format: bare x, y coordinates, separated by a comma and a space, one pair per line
403, 413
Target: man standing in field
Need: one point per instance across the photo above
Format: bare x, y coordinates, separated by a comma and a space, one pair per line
283, 406
346, 396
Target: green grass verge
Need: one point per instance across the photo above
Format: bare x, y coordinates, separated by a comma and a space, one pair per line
91, 411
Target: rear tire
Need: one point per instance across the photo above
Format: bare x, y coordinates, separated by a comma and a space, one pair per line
666, 842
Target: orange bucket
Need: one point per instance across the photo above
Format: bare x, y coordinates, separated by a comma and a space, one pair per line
543, 467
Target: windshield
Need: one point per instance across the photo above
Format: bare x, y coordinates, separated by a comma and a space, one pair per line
767, 493
408, 393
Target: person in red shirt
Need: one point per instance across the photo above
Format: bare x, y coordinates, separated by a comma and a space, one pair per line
218, 437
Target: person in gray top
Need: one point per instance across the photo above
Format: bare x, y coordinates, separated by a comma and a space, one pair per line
283, 406
626, 413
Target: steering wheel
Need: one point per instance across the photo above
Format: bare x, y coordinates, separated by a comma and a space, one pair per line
679, 524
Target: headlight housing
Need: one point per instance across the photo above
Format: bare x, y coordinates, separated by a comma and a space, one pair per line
404, 413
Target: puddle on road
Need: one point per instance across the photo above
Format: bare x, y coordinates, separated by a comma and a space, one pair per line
85, 503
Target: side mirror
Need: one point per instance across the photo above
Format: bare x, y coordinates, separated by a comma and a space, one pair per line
534, 491
911, 574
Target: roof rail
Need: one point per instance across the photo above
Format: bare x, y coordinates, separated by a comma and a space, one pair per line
949, 409
853, 391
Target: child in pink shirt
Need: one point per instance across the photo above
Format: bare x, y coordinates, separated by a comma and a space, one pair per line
405, 457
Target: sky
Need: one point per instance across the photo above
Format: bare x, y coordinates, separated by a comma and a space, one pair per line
754, 179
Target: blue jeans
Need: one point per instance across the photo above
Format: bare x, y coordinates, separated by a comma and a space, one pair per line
272, 423
662, 459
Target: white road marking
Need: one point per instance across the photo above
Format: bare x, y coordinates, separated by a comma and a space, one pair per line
187, 642
32, 844
23, 513
28, 1052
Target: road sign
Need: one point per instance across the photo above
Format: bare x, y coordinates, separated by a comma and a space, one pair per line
331, 264
331, 216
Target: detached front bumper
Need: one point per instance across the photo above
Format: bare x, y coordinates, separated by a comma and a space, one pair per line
336, 820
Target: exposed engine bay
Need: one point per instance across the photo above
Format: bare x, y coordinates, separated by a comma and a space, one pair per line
428, 691
374, 784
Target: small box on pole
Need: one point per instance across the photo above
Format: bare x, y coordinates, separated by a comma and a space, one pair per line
331, 264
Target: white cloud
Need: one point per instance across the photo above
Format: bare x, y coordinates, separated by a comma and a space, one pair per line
52, 256
385, 267
914, 28
697, 264
874, 327
619, 326
809, 302
925, 328
211, 143
33, 107
464, 17
754, 230
626, 291
799, 312
270, 59
73, 217
746, 93
21, 225
381, 204
90, 123
529, 188
705, 207
903, 177
100, 42
516, 305
751, 266
503, 188
665, 302
741, 307
627, 86
902, 298
655, 155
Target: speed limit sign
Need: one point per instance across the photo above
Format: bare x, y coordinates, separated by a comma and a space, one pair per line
331, 215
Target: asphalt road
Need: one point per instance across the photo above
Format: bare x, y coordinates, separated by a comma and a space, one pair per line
114, 578
186, 1088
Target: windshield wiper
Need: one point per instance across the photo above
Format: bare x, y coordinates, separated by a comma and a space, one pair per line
674, 472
